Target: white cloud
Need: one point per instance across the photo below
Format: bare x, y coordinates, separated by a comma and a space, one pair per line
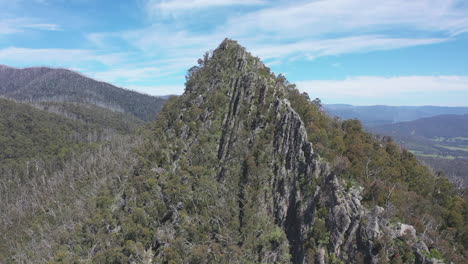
56, 57
160, 38
185, 47
16, 25
168, 6
285, 31
98, 39
314, 18
325, 47
158, 90
50, 27
135, 74
129, 74
381, 87
306, 29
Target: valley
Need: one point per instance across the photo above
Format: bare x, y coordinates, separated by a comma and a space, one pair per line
439, 139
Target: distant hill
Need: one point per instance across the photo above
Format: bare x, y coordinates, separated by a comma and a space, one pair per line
440, 141
449, 126
61, 128
49, 84
377, 115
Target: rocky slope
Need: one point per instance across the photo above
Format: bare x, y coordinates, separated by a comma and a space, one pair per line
228, 173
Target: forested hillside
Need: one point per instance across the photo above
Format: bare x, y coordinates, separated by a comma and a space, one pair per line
45, 201
91, 114
455, 169
440, 141
48, 84
47, 158
26, 133
242, 168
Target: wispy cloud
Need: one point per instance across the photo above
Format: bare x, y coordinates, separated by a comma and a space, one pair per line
167, 6
56, 57
158, 40
309, 28
312, 49
16, 25
158, 90
129, 75
51, 27
313, 18
381, 87
278, 31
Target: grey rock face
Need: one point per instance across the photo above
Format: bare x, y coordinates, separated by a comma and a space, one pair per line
345, 212
295, 163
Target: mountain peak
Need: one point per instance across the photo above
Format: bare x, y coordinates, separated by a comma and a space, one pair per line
230, 43
227, 61
254, 140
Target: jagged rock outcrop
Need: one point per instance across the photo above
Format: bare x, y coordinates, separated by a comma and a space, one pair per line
255, 104
227, 174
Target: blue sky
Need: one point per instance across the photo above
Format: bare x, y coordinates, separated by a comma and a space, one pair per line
362, 52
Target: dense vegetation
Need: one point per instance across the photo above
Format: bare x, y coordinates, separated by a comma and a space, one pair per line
93, 115
40, 211
455, 169
440, 141
47, 84
26, 133
51, 159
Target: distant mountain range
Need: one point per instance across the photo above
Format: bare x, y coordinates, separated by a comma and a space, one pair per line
49, 84
447, 126
377, 115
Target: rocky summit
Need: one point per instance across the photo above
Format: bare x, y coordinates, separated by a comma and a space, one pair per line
243, 168
279, 199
